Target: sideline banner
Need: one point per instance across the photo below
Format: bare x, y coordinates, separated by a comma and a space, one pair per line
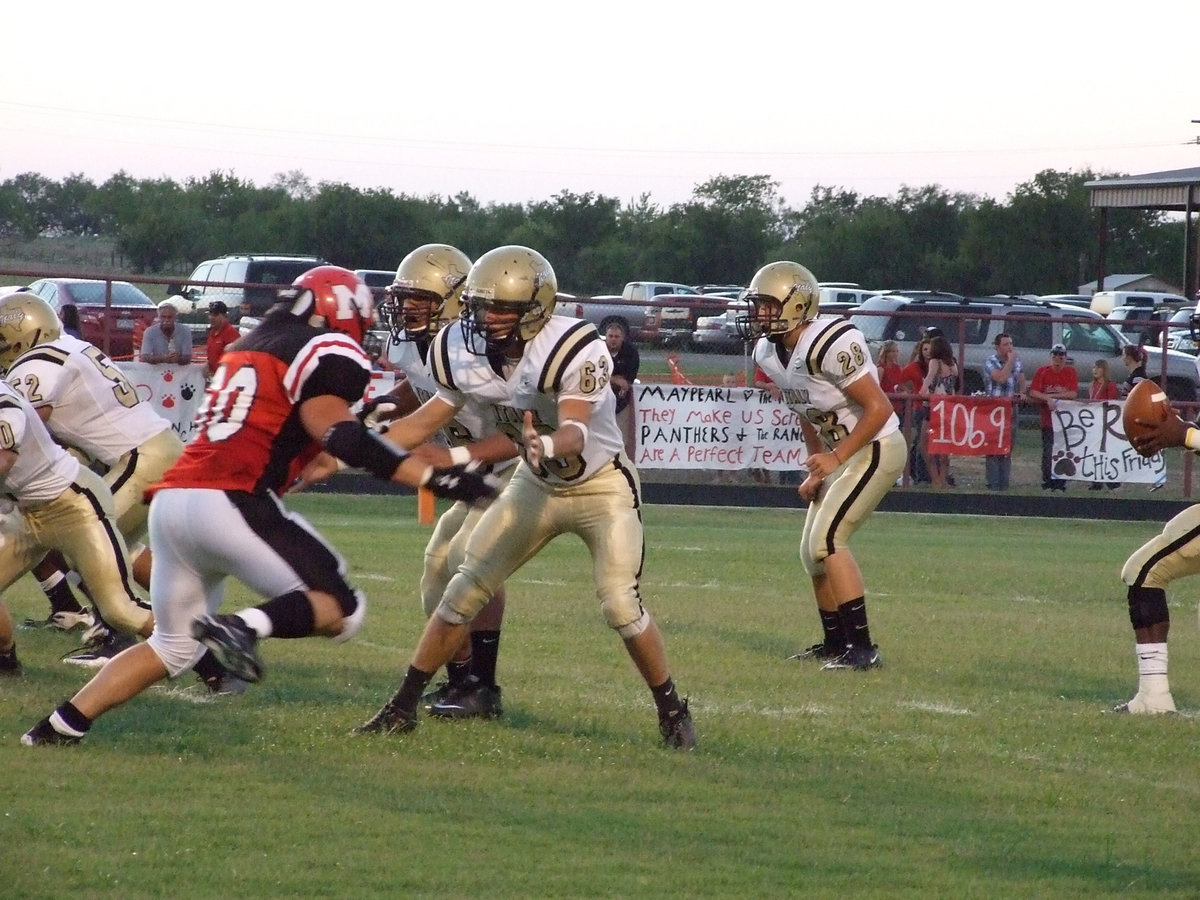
702, 427
176, 392
1090, 445
970, 426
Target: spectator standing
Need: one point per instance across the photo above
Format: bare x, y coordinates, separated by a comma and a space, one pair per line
912, 376
626, 363
165, 342
1102, 388
940, 379
221, 333
891, 373
69, 315
1057, 381
1135, 361
1005, 378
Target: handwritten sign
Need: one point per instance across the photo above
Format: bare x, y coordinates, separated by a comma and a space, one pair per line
702, 427
970, 426
1090, 445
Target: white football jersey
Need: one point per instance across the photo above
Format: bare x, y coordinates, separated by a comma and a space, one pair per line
43, 469
96, 408
830, 355
566, 359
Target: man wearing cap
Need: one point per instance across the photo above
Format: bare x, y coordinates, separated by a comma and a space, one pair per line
1057, 381
221, 333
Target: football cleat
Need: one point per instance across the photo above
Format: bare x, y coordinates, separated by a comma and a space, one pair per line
100, 651
819, 651
390, 719
43, 735
473, 700
677, 728
1148, 704
10, 666
439, 693
233, 643
62, 621
856, 658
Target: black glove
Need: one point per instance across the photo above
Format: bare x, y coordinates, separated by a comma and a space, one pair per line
466, 481
378, 410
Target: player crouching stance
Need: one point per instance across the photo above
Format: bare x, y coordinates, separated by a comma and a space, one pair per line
855, 447
279, 397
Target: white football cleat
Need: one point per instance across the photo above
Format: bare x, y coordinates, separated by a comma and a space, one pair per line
1148, 704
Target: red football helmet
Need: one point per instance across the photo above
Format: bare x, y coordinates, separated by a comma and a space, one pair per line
333, 297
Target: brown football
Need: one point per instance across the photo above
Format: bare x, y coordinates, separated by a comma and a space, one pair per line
1148, 402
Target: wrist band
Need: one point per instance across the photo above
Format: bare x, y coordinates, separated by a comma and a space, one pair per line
547, 446
1192, 439
582, 428
459, 456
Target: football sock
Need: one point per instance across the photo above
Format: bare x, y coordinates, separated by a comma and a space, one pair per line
666, 698
485, 648
286, 616
415, 682
70, 721
831, 626
58, 591
458, 671
1152, 668
853, 614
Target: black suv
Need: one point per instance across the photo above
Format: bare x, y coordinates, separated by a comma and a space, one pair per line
245, 276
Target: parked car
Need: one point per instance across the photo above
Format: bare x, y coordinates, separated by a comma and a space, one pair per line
719, 333
1084, 300
1143, 324
376, 279
108, 325
669, 320
972, 325
1179, 335
245, 276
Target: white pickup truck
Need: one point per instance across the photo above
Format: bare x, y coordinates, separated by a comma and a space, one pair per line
644, 309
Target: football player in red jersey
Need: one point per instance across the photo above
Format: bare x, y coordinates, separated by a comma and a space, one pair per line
280, 396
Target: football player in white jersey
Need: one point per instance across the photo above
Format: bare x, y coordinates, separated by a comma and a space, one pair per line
91, 406
64, 506
855, 447
545, 380
423, 299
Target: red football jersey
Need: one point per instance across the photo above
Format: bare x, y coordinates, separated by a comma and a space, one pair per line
248, 431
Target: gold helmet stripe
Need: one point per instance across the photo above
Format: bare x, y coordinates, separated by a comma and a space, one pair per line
568, 347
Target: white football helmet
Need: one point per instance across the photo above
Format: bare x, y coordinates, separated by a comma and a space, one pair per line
26, 320
427, 292
782, 297
508, 298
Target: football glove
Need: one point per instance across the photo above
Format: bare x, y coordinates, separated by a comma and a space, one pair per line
378, 410
466, 481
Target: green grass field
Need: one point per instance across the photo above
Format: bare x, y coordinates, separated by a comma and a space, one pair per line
979, 761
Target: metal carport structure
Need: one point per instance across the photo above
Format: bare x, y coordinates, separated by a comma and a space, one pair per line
1175, 191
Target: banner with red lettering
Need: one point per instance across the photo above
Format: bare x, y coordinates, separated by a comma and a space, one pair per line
970, 426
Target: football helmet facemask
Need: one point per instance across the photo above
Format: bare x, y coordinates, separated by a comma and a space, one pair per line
782, 296
332, 297
508, 299
26, 320
427, 292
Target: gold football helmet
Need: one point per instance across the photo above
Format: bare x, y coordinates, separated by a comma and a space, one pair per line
782, 297
26, 320
508, 298
427, 292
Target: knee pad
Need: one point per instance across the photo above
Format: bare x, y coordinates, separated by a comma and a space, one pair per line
352, 622
463, 600
633, 629
1147, 606
434, 579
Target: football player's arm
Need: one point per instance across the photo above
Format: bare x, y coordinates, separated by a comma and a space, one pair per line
328, 420
322, 466
574, 416
401, 400
876, 408
44, 412
420, 424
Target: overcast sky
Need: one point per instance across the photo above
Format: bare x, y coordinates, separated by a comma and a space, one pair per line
514, 102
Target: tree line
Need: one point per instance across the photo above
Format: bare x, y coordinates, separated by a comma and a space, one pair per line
1041, 239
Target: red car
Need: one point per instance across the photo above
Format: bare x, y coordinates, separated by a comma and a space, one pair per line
109, 326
